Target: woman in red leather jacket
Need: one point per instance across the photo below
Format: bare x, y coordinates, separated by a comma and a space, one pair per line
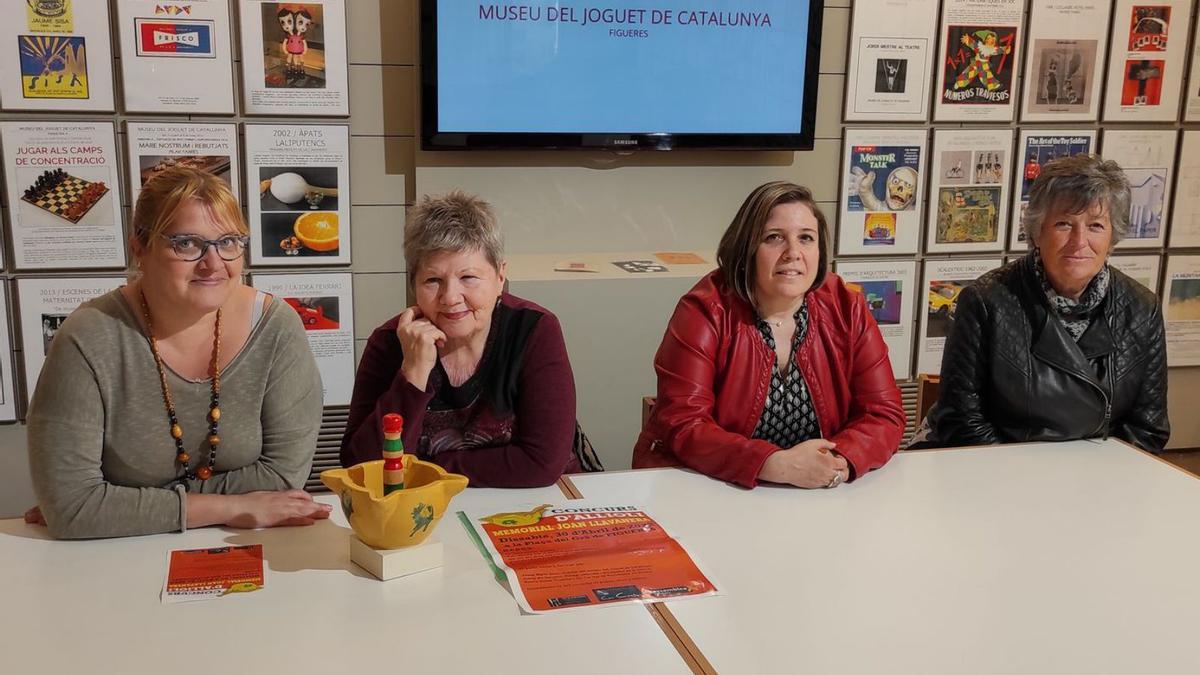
771, 368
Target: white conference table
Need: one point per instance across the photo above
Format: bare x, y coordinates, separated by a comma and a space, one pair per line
1079, 557
1075, 557
93, 607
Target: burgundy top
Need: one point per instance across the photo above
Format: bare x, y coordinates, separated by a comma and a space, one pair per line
511, 424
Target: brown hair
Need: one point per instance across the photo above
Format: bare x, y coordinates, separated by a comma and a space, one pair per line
164, 195
735, 253
455, 221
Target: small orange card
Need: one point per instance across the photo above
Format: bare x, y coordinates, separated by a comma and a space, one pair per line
680, 258
205, 573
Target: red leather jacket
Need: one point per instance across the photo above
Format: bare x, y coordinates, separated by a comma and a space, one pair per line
714, 370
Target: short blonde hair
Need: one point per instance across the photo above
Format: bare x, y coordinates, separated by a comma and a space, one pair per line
456, 221
164, 195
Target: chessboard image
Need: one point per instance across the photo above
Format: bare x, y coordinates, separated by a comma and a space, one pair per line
68, 197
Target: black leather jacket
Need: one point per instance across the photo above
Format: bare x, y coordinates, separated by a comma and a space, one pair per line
1012, 373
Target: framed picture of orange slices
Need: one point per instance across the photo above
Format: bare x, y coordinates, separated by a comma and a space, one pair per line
298, 194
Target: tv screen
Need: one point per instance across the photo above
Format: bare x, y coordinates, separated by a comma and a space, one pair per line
622, 74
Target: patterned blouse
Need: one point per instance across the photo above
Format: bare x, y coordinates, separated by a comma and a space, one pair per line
788, 418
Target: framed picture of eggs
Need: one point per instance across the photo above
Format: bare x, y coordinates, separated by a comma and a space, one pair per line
298, 194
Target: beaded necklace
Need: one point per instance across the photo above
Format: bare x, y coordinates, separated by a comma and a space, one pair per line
214, 408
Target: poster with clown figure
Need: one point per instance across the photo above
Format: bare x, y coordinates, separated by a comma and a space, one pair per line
294, 58
1145, 69
981, 42
882, 191
179, 55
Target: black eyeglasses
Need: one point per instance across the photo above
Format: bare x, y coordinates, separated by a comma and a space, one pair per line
190, 247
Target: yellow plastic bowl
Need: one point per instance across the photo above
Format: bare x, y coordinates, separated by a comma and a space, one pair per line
403, 518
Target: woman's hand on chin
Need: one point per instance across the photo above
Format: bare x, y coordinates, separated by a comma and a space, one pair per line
810, 464
419, 342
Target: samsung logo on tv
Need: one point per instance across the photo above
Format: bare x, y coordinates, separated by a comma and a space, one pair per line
623, 141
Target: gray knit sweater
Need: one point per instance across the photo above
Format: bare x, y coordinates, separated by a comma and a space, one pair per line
100, 451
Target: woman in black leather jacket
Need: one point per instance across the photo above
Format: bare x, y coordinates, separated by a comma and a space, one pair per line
1057, 345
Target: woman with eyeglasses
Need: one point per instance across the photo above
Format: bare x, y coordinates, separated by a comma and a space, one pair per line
182, 399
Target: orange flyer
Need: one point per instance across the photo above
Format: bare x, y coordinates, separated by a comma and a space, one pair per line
583, 554
205, 573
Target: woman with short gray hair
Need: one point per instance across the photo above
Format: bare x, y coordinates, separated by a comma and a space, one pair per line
480, 376
1057, 345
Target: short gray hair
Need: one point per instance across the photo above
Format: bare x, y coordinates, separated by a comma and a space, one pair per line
455, 221
1074, 184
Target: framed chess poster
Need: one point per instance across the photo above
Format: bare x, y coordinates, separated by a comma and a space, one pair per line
61, 181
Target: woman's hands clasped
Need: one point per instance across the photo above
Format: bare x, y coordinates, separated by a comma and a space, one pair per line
811, 464
419, 341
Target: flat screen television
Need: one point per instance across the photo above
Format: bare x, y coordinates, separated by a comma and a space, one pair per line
623, 75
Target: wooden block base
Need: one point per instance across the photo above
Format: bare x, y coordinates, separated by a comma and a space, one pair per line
401, 562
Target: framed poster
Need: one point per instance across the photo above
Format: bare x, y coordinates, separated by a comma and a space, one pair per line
944, 280
176, 57
8, 387
968, 190
1181, 310
1191, 111
325, 303
1148, 158
1067, 46
1035, 148
298, 193
1145, 66
61, 181
891, 56
879, 211
45, 303
890, 289
1185, 224
978, 60
56, 56
294, 58
1144, 269
155, 147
